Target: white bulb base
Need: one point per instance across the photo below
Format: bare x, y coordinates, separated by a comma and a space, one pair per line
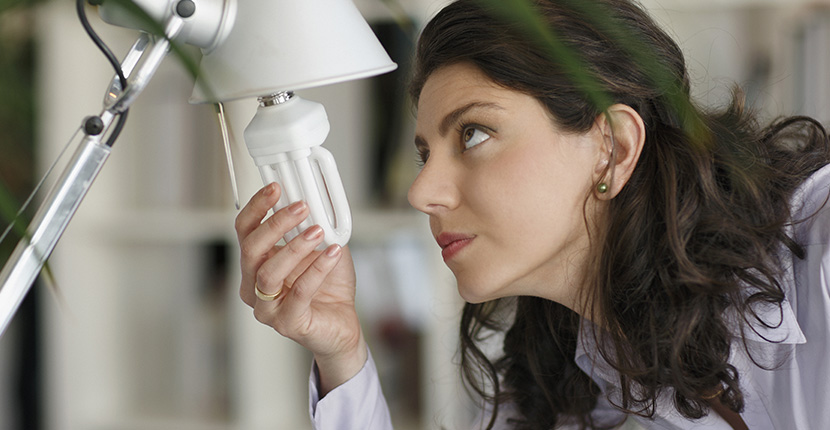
285, 141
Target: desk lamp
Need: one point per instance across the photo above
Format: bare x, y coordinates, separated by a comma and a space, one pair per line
263, 49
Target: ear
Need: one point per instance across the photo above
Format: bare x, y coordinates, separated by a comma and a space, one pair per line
623, 135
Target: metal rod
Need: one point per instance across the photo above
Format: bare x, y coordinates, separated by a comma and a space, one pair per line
60, 205
142, 76
226, 140
48, 225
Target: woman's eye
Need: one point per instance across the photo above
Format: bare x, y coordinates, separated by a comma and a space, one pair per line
472, 136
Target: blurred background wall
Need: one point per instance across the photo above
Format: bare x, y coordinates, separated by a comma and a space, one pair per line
145, 329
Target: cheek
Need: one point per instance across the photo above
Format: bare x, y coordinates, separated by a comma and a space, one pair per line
532, 201
532, 184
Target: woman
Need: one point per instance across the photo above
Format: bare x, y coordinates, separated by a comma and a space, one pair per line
643, 258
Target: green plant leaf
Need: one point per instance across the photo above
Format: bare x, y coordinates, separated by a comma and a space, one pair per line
156, 28
8, 213
524, 15
17, 114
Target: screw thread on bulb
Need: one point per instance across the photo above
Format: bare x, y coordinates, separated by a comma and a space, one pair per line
276, 98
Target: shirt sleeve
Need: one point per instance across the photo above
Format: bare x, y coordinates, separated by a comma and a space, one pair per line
356, 404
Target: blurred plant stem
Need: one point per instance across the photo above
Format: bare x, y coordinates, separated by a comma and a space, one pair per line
523, 14
399, 14
17, 115
17, 110
17, 121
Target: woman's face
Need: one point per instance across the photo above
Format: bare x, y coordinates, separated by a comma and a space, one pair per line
505, 189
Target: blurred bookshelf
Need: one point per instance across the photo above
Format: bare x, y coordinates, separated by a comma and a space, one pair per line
150, 332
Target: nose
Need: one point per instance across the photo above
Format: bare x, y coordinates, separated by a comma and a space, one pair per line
436, 188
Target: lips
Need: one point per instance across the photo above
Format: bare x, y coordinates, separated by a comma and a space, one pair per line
452, 243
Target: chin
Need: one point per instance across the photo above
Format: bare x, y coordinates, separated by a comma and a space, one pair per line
476, 293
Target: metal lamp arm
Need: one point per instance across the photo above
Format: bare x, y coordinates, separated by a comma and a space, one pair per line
57, 209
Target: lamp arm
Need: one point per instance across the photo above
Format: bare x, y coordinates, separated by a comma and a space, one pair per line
54, 214
127, 65
48, 225
138, 82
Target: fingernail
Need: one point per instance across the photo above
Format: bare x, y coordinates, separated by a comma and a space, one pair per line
313, 233
334, 251
297, 208
269, 189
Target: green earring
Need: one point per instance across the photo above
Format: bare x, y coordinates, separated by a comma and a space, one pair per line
602, 188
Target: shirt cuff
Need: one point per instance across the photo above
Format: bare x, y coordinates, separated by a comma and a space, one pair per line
356, 404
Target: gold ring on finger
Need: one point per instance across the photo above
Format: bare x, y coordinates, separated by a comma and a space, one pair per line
266, 297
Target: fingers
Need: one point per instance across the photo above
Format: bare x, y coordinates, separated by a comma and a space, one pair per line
274, 272
294, 299
252, 214
263, 238
287, 277
257, 238
306, 286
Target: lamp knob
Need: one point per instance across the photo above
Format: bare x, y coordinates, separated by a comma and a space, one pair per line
185, 8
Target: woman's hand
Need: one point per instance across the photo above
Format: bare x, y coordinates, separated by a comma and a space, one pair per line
315, 301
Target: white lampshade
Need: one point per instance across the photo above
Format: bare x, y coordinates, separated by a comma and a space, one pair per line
287, 45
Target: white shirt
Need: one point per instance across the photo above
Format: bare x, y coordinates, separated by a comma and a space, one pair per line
792, 396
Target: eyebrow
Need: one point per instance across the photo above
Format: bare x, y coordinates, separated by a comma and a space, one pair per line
452, 118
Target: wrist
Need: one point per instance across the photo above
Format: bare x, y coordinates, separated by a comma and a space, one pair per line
336, 369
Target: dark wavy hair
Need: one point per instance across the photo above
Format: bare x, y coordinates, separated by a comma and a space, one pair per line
695, 234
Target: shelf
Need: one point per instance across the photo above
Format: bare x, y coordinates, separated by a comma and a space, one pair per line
199, 225
371, 225
158, 225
